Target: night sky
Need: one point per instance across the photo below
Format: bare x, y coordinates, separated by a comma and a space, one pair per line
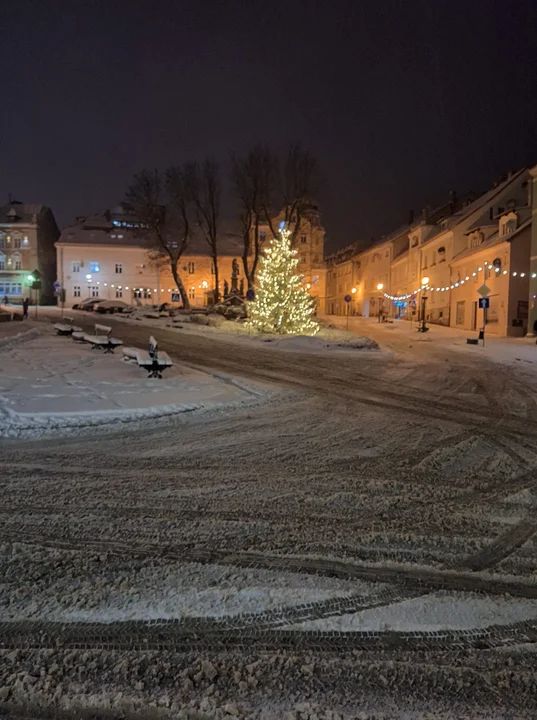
400, 101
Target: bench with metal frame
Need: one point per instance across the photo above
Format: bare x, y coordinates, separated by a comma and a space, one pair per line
66, 327
153, 360
101, 339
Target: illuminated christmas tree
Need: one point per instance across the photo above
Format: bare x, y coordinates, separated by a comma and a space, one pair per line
282, 304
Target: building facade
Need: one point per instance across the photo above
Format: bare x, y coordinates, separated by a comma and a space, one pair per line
27, 236
450, 251
101, 256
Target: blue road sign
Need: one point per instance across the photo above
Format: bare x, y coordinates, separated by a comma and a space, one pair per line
250, 295
176, 297
484, 303
347, 298
56, 286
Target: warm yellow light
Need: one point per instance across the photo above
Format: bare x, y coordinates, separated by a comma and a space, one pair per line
425, 280
380, 286
353, 291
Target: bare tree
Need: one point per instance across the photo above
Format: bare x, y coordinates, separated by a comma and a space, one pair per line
161, 210
203, 185
254, 180
297, 182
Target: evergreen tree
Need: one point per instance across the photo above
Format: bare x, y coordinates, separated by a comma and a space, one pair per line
282, 304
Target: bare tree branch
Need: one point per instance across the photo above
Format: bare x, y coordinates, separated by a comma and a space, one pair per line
161, 210
204, 189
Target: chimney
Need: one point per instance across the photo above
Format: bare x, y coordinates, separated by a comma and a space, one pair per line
410, 217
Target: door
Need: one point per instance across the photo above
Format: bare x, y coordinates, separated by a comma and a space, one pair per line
474, 315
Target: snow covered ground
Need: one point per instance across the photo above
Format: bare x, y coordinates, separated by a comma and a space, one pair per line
442, 611
50, 383
206, 563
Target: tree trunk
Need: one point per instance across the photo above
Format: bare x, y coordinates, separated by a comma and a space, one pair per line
246, 248
216, 288
181, 288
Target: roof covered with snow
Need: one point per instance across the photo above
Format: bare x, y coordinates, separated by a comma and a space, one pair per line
109, 229
15, 212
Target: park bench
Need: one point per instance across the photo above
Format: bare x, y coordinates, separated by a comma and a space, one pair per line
153, 360
66, 327
102, 339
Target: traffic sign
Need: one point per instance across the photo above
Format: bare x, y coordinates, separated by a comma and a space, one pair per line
176, 297
347, 298
56, 286
483, 290
250, 295
484, 303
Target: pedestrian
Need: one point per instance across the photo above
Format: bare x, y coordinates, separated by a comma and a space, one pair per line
6, 300
25, 304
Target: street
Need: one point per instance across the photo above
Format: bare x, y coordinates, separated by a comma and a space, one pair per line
213, 561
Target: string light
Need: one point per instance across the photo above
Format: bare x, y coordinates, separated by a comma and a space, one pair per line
282, 304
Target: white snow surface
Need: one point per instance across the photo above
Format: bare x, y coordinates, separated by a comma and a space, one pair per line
78, 589
51, 383
438, 611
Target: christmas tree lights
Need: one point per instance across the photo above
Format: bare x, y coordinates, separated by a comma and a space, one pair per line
282, 305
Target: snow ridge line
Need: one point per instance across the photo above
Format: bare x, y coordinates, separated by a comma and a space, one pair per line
24, 336
413, 577
502, 546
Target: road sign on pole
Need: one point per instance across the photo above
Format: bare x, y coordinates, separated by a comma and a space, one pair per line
484, 290
348, 300
484, 303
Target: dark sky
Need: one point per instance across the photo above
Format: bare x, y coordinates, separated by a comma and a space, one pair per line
400, 101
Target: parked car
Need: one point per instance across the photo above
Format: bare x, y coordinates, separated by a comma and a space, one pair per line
88, 304
111, 306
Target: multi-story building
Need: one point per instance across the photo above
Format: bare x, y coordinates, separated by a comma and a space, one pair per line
101, 256
454, 249
27, 237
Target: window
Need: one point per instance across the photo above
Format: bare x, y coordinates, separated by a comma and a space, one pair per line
76, 266
76, 291
2, 241
94, 267
460, 312
425, 262
433, 258
147, 294
16, 288
302, 260
119, 291
119, 268
262, 236
191, 267
192, 292
414, 242
18, 265
137, 293
17, 261
17, 243
2, 261
94, 291
303, 239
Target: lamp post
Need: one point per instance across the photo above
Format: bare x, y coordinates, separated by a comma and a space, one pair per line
379, 288
424, 284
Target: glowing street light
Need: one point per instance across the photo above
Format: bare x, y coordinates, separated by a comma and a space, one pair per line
424, 284
353, 291
381, 300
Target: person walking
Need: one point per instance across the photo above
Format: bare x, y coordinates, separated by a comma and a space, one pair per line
25, 304
6, 300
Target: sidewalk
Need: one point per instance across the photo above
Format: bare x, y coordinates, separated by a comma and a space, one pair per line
401, 335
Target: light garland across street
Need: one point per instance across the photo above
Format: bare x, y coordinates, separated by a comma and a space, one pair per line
454, 285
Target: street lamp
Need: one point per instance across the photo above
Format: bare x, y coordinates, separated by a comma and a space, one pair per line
379, 288
424, 284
